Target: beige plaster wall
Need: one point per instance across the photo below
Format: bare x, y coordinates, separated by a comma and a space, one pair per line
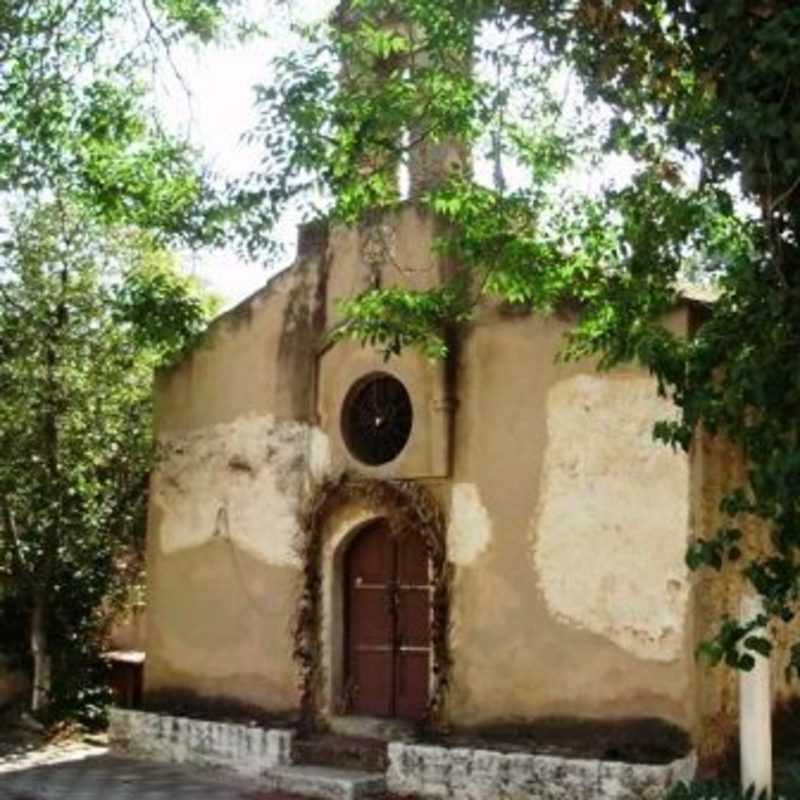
568, 529
129, 630
394, 250
567, 525
238, 447
256, 359
427, 453
222, 569
243, 435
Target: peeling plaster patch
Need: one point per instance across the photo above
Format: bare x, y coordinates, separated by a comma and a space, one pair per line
610, 535
241, 480
470, 529
320, 454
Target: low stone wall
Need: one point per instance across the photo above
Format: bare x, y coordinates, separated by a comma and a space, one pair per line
249, 751
463, 774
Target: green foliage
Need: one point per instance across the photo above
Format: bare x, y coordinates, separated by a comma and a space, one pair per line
711, 790
89, 303
787, 786
714, 83
346, 143
86, 313
161, 308
394, 319
74, 118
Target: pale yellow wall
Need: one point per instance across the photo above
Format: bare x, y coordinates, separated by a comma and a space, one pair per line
129, 630
234, 425
568, 528
255, 360
567, 524
392, 251
236, 421
427, 454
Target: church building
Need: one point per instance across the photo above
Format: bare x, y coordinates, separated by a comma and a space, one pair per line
488, 542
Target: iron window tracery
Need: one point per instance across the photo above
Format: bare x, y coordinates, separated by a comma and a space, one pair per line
376, 419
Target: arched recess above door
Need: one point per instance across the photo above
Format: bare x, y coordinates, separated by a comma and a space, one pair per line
333, 516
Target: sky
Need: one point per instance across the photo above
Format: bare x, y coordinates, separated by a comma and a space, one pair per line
215, 115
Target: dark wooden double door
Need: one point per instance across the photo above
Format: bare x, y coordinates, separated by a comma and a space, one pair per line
388, 610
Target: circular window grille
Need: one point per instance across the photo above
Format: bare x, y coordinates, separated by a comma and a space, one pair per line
376, 419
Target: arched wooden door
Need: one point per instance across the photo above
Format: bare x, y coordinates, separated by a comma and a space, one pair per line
388, 610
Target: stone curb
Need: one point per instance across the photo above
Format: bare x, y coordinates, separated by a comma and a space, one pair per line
464, 774
245, 750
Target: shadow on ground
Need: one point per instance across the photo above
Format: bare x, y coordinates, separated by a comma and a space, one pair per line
102, 777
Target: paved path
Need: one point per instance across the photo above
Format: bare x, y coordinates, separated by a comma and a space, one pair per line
89, 773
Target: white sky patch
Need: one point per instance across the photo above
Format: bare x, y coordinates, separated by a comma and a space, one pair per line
219, 110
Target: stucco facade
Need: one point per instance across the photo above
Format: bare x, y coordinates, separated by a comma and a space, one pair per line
566, 525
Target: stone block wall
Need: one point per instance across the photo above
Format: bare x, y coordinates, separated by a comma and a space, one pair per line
464, 774
246, 750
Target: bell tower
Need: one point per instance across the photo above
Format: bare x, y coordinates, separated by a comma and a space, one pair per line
390, 419
415, 143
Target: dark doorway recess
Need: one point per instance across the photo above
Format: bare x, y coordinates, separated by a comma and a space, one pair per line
387, 624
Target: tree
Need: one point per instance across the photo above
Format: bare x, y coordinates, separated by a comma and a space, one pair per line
86, 313
713, 83
75, 116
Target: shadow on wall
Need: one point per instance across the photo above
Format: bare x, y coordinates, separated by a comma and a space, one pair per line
644, 740
186, 703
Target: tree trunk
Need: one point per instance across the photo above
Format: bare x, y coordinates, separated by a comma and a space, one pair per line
40, 651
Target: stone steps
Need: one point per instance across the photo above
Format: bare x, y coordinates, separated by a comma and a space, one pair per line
344, 752
328, 783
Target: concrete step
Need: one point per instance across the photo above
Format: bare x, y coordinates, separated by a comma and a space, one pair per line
343, 752
326, 782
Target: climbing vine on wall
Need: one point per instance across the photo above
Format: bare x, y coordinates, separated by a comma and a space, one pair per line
408, 507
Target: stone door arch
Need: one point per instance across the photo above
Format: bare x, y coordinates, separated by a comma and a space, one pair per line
336, 515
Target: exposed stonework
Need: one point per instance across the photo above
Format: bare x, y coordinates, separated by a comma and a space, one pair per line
613, 512
240, 481
470, 529
423, 770
242, 749
464, 774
